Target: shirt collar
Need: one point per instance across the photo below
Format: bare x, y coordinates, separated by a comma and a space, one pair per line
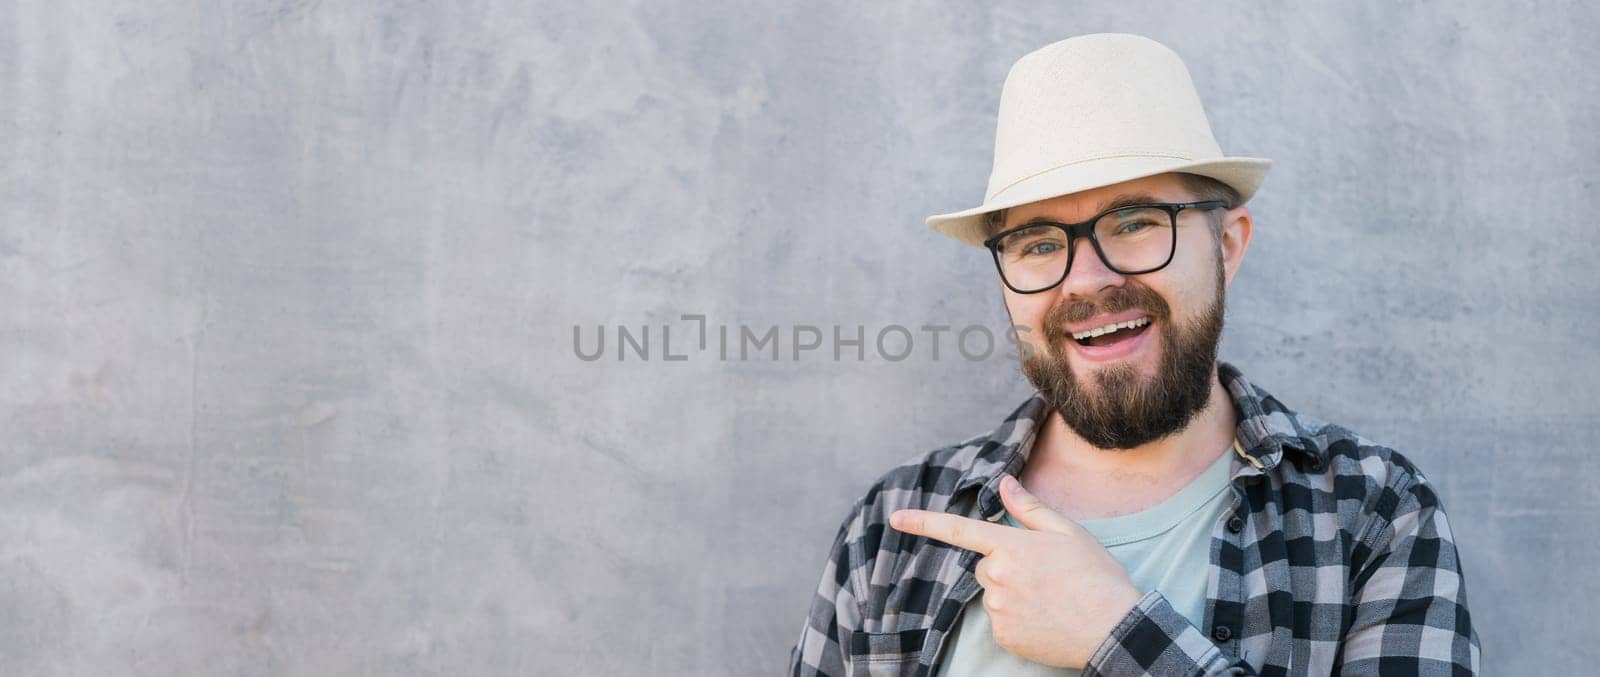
1265, 431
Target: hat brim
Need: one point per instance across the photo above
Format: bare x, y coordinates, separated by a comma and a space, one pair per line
1243, 174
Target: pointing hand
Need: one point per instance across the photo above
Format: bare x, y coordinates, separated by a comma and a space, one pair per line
1053, 593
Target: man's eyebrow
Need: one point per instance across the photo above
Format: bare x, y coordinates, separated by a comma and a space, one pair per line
1118, 202
1128, 199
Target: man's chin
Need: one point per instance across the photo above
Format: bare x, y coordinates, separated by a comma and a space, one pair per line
1089, 372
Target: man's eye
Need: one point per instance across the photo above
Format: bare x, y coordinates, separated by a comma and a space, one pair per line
1041, 248
1134, 226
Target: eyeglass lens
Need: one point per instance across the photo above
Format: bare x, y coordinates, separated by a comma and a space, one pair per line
1133, 241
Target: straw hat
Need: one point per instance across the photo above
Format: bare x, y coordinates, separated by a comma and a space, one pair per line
1092, 111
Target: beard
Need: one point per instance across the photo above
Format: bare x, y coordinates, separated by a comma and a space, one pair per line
1125, 410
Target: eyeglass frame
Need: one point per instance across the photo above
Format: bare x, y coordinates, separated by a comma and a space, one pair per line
1086, 229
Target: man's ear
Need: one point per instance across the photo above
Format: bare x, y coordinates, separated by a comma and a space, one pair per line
1237, 227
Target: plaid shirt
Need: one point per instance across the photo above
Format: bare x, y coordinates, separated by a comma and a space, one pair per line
1334, 557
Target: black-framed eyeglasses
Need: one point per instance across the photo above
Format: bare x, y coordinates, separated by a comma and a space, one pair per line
1131, 240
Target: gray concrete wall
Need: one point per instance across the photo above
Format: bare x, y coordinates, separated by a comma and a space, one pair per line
288, 295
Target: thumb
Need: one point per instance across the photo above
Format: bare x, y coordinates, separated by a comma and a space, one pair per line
1032, 512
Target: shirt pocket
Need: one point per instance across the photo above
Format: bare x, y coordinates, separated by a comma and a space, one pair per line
886, 653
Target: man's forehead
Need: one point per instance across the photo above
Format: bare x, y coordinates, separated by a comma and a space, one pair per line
1082, 205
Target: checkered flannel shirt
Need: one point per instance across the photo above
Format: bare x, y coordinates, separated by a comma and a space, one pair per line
1335, 556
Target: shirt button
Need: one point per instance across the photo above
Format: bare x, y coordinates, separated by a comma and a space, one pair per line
1235, 525
1221, 633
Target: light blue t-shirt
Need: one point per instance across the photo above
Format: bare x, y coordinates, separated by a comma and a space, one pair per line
1166, 547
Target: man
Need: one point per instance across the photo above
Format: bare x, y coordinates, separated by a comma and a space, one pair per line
1149, 510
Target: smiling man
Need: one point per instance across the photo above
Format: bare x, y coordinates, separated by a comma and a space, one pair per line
1148, 510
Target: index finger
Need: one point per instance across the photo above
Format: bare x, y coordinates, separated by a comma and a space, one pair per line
956, 530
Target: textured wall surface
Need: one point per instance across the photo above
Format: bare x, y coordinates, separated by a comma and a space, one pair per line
289, 290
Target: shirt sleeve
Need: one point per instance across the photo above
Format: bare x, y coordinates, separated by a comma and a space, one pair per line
1409, 599
835, 613
1408, 603
1154, 639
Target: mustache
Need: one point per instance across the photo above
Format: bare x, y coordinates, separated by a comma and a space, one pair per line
1119, 299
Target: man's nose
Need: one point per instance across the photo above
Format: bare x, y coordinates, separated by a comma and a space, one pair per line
1088, 276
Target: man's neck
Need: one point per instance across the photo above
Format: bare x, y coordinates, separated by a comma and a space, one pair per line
1085, 482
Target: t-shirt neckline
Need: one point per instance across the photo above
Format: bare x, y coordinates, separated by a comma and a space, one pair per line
1162, 517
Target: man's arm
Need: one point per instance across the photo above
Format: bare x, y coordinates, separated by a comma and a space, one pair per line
1069, 621
1410, 601
1408, 598
1154, 639
835, 613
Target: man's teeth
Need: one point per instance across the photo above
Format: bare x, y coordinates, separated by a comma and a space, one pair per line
1097, 331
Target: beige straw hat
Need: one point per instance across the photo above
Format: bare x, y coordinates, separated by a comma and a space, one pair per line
1092, 111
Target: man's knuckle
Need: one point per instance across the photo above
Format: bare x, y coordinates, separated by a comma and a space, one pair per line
997, 573
1002, 635
958, 531
988, 581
